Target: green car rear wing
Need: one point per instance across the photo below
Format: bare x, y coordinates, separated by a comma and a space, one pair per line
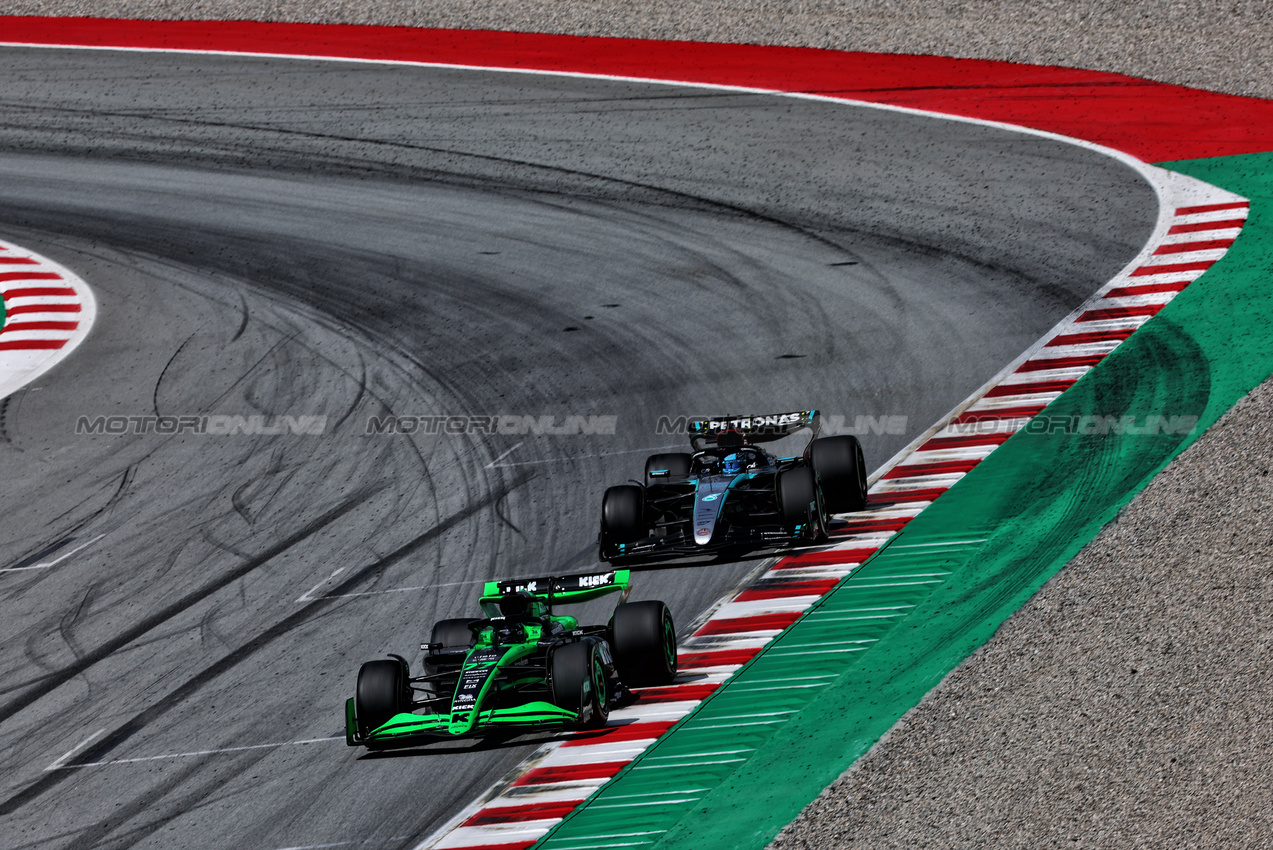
558, 590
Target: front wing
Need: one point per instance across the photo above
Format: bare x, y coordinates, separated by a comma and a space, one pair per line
407, 729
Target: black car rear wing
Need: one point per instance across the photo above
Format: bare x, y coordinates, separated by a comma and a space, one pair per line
736, 430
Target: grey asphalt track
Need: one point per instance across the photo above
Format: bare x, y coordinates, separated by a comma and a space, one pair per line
280, 237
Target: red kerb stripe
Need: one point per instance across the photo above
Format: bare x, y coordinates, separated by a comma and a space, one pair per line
1236, 205
946, 467
1115, 335
1227, 224
867, 526
878, 501
41, 308
1186, 247
554, 810
1043, 364
18, 261
778, 589
998, 414
569, 773
742, 625
626, 732
964, 441
6, 276
719, 658
12, 327
1034, 388
1174, 268
1148, 289
514, 845
32, 345
36, 291
1119, 312
825, 558
677, 693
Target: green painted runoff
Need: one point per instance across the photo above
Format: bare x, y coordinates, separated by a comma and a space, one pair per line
800, 714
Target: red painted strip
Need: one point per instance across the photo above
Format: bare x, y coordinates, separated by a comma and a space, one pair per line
742, 625
1227, 224
1034, 388
626, 732
1115, 335
40, 291
938, 443
13, 327
1043, 364
825, 558
1186, 247
998, 414
1234, 205
32, 345
1148, 289
569, 773
1119, 312
868, 526
945, 467
779, 589
1174, 268
7, 276
516, 845
1152, 121
554, 810
879, 501
717, 658
677, 693
18, 261
42, 308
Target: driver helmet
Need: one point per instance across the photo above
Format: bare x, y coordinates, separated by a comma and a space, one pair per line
732, 464
520, 603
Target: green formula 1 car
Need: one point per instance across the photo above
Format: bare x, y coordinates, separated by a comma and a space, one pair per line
520, 667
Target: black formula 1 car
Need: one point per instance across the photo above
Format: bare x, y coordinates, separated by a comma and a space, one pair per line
731, 494
520, 667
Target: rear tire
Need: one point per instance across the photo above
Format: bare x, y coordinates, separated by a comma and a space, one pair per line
622, 516
572, 666
841, 471
677, 465
643, 639
381, 693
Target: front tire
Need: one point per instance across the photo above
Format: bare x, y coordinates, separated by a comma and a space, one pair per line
622, 516
381, 693
838, 463
643, 638
798, 497
676, 464
579, 681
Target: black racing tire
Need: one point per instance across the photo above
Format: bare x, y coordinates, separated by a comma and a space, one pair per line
797, 496
643, 640
571, 666
841, 471
622, 515
453, 634
677, 465
381, 693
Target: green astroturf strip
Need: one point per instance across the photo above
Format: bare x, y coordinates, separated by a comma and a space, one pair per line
758, 750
